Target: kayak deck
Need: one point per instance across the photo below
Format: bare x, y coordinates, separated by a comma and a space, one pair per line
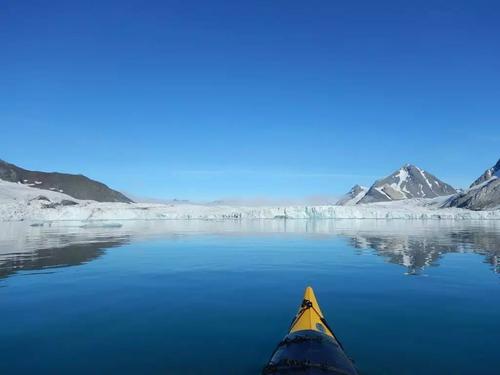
310, 346
310, 316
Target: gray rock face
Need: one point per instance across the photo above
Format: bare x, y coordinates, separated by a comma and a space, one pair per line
484, 193
353, 196
485, 196
489, 173
77, 186
407, 182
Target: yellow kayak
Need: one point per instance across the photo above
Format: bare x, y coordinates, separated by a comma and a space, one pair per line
310, 346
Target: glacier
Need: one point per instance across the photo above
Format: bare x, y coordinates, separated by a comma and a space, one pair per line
23, 203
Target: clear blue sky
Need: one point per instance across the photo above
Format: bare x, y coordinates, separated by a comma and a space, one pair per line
211, 99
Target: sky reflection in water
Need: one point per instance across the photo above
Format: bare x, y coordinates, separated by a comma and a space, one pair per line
215, 297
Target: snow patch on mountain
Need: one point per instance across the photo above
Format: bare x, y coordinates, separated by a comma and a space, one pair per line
489, 173
22, 203
77, 186
354, 195
484, 193
407, 182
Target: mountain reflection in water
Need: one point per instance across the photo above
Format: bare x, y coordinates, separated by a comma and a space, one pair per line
417, 251
412, 244
69, 255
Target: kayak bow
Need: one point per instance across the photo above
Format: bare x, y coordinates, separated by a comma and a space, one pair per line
310, 346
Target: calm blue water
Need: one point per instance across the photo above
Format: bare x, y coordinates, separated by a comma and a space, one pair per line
215, 298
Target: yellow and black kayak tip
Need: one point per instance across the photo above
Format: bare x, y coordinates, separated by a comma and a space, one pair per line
310, 347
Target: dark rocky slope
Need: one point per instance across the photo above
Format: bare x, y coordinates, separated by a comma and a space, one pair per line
77, 186
483, 194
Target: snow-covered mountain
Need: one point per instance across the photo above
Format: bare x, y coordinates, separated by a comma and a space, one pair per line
407, 182
354, 195
23, 200
483, 194
20, 202
76, 186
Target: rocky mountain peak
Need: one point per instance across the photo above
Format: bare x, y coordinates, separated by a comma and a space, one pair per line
489, 173
354, 195
407, 182
483, 194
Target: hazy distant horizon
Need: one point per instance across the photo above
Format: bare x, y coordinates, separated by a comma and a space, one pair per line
276, 199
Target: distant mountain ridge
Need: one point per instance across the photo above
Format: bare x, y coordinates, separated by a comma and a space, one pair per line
488, 174
76, 186
407, 182
483, 194
354, 195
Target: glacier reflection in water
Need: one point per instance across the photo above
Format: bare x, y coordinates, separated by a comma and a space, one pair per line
412, 244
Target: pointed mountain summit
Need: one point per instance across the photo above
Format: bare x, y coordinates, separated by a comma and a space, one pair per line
483, 194
407, 182
76, 186
354, 195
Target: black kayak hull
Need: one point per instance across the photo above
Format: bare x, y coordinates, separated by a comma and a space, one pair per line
309, 352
